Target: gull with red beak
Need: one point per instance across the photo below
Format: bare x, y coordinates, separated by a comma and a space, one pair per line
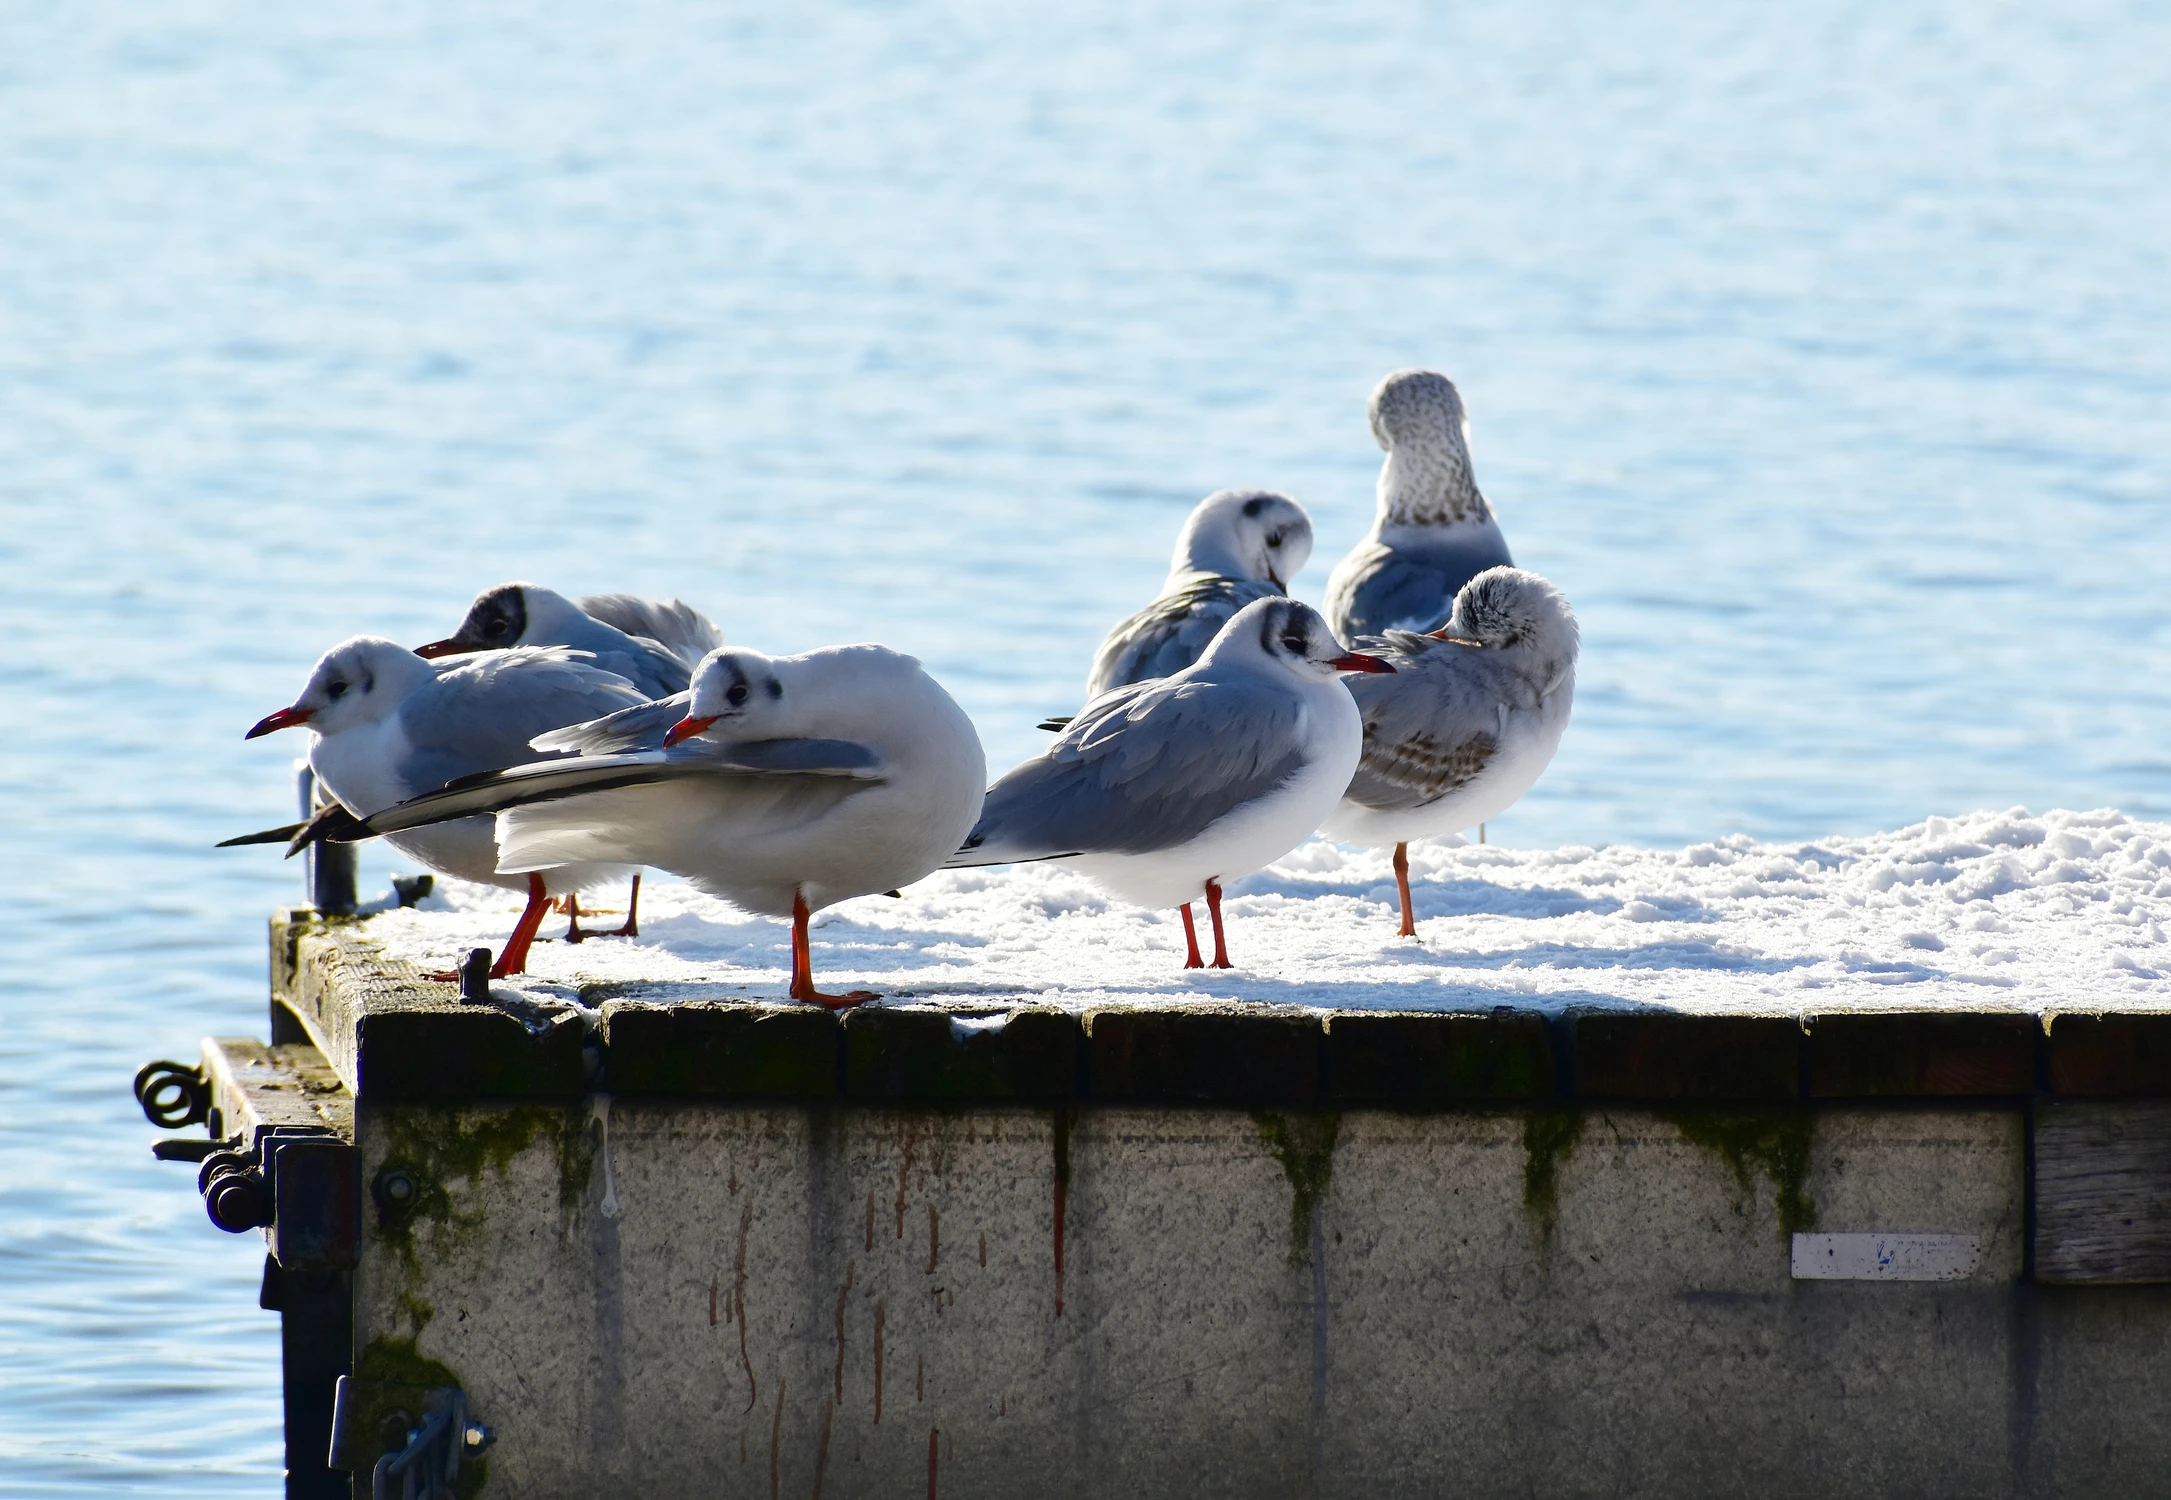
1162, 791
655, 646
783, 784
1467, 724
386, 725
1237, 546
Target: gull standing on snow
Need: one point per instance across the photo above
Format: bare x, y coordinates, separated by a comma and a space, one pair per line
386, 725
1164, 789
783, 784
1468, 722
655, 646
1433, 532
1237, 546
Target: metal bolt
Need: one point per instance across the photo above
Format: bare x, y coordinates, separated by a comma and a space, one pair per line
396, 1190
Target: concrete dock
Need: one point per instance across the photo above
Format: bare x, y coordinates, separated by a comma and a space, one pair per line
666, 1248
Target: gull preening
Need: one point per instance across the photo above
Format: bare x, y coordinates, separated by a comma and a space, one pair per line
654, 645
386, 725
1237, 546
783, 784
1433, 531
1468, 722
1164, 790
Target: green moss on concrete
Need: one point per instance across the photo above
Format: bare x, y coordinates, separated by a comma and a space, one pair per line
1775, 1142
398, 1363
1549, 1136
441, 1147
1304, 1145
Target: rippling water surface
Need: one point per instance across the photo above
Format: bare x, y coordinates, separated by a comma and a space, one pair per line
1819, 352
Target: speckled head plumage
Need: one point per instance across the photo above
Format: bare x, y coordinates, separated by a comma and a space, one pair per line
1513, 609
1418, 417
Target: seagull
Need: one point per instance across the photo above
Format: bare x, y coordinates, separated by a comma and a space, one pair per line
1165, 789
655, 646
1237, 546
783, 784
386, 725
1433, 533
1468, 722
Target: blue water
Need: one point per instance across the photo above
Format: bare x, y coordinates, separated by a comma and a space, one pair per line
1819, 352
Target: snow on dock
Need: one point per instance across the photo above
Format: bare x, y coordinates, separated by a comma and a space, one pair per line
1992, 911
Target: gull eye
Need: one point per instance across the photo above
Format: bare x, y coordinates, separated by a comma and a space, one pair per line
737, 695
1295, 643
1274, 538
497, 627
336, 689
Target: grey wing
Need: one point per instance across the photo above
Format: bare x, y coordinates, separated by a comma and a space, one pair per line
550, 781
1151, 766
678, 627
640, 727
1380, 588
648, 666
1171, 633
482, 714
1429, 729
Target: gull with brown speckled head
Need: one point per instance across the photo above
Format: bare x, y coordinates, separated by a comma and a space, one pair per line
1433, 531
1467, 723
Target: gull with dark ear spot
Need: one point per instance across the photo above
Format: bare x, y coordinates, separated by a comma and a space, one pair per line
1161, 791
1433, 531
783, 784
385, 725
655, 646
1237, 546
1467, 724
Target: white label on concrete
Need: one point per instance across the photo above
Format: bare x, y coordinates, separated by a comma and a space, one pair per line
1886, 1257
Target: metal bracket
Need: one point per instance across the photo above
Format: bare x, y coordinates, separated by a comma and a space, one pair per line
420, 1456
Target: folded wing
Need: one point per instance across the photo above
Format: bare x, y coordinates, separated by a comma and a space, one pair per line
760, 761
1146, 767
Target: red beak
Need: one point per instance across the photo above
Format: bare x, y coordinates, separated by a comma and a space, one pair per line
687, 728
285, 718
1357, 661
1456, 640
451, 645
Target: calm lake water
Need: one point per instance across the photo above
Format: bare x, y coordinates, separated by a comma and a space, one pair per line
1818, 352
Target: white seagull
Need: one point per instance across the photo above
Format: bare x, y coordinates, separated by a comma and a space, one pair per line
1165, 789
1237, 546
1468, 722
783, 784
653, 645
386, 725
1433, 532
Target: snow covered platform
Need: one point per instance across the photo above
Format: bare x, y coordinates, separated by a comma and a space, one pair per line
1991, 912
1739, 1169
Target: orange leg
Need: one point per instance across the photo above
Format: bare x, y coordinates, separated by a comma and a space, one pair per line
1191, 940
803, 967
1213, 910
1402, 884
514, 960
573, 934
633, 912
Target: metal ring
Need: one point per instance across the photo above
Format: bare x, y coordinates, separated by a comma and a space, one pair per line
172, 1095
